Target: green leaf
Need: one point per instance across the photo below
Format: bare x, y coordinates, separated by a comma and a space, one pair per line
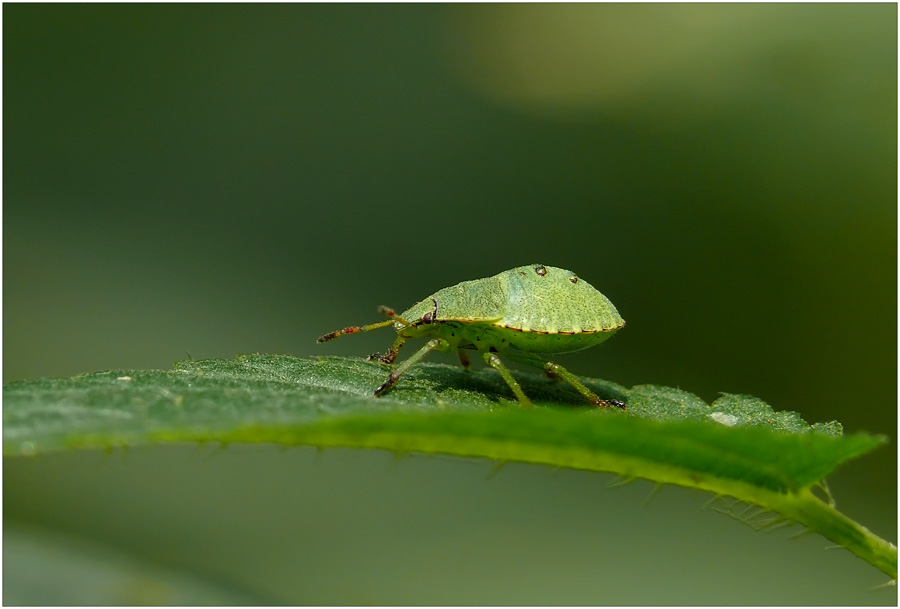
737, 446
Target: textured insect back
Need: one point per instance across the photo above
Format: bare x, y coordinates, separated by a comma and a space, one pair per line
594, 306
476, 300
546, 299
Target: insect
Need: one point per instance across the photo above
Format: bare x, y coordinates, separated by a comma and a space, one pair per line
528, 310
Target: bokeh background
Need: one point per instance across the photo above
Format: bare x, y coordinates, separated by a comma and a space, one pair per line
208, 180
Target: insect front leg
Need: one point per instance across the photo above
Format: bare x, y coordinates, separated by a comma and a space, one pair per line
391, 354
493, 360
555, 370
434, 343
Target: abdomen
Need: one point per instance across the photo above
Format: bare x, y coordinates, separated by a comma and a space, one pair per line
554, 343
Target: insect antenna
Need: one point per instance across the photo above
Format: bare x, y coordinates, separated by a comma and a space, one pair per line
383, 310
355, 329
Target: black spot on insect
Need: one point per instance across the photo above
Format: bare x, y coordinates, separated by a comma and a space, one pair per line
574, 278
540, 270
431, 315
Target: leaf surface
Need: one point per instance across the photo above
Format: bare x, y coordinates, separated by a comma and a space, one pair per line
737, 446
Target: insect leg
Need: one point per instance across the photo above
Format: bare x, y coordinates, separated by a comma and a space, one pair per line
464, 360
493, 360
391, 354
397, 372
558, 371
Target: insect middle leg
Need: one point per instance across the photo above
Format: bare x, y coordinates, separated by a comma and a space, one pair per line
464, 360
396, 373
555, 370
493, 360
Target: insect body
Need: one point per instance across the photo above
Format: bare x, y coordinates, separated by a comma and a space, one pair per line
521, 312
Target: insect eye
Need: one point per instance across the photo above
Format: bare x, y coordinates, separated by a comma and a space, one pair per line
540, 270
574, 278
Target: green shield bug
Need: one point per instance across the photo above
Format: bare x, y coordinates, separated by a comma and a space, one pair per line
528, 310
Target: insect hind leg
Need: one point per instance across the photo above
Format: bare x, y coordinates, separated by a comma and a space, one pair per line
554, 370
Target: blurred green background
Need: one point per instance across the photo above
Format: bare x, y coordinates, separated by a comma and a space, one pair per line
221, 179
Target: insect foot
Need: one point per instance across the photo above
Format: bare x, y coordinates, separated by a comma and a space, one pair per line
394, 376
518, 313
386, 386
391, 354
383, 358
